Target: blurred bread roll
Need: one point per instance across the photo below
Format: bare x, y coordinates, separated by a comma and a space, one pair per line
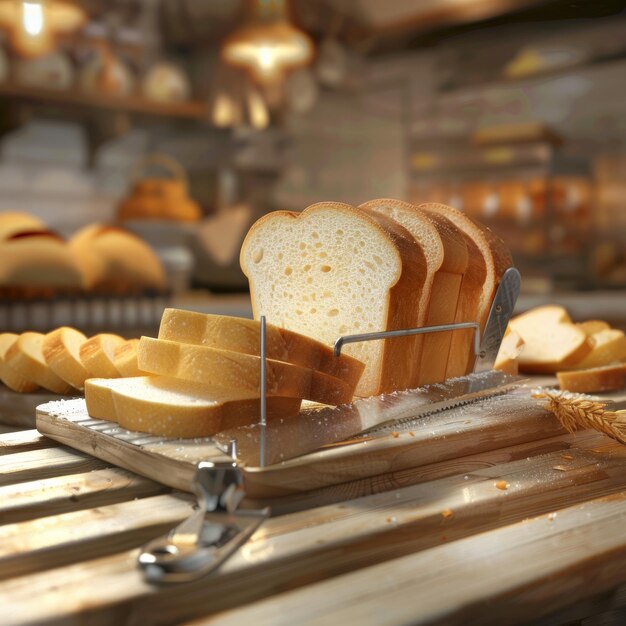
115, 260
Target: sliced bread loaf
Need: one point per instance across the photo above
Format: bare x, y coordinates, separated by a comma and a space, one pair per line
243, 335
61, 350
594, 326
26, 358
488, 259
326, 272
98, 353
235, 371
173, 408
507, 360
10, 377
551, 341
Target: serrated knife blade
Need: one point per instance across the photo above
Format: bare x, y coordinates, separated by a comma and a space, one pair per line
317, 426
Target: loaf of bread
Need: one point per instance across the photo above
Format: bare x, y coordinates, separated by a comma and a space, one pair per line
115, 260
235, 371
13, 222
243, 335
38, 259
609, 346
329, 271
61, 351
173, 408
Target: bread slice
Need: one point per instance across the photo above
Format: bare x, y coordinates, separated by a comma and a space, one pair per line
326, 272
427, 237
61, 350
173, 408
551, 341
508, 354
243, 335
444, 298
235, 371
114, 259
595, 380
97, 355
609, 347
26, 357
125, 359
488, 259
594, 326
10, 377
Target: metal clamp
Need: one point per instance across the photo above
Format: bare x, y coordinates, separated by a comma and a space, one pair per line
210, 534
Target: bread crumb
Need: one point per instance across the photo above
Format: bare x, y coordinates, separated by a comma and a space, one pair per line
559, 468
551, 517
502, 485
395, 434
447, 513
411, 433
567, 457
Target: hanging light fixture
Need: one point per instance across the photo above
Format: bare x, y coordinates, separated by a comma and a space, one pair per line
268, 45
32, 25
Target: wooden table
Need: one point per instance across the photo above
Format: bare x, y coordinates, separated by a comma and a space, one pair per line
530, 532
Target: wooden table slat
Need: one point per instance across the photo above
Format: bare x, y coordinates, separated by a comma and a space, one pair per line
44, 463
61, 494
23, 441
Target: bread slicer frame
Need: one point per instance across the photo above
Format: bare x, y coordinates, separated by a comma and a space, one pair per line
214, 531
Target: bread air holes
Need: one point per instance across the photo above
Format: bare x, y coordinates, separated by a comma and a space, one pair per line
306, 267
325, 268
333, 312
288, 271
257, 255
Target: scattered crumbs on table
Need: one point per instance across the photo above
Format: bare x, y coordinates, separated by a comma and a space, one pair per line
559, 468
395, 434
467, 422
411, 433
567, 457
392, 520
551, 517
502, 485
447, 513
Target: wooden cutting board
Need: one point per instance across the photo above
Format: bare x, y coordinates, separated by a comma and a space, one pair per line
441, 444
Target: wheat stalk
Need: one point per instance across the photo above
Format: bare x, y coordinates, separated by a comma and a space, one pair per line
576, 412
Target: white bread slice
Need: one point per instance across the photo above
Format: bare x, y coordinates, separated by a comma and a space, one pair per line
235, 371
429, 241
609, 347
169, 407
26, 357
243, 335
594, 326
488, 260
97, 355
508, 354
326, 272
114, 259
444, 298
61, 350
11, 378
38, 259
551, 341
125, 359
595, 380
12, 222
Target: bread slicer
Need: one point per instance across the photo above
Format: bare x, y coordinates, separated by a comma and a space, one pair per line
217, 528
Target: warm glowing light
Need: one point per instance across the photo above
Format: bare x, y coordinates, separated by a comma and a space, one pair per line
268, 45
32, 18
33, 24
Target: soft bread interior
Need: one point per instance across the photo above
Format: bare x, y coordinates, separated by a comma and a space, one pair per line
10, 377
61, 350
97, 355
326, 272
